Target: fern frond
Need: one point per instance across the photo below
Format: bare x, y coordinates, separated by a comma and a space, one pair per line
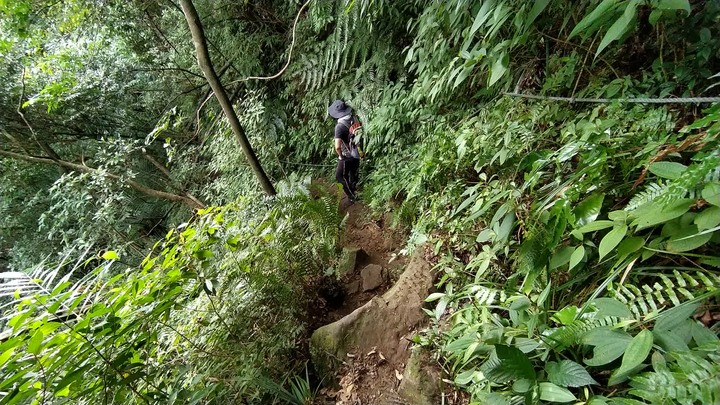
692, 380
487, 296
651, 192
570, 335
665, 291
59, 296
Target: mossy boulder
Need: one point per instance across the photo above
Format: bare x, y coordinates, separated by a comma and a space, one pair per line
381, 324
348, 260
421, 380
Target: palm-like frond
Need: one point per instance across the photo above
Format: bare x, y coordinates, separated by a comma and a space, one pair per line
58, 290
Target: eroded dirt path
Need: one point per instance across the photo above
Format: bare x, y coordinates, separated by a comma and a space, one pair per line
379, 245
381, 320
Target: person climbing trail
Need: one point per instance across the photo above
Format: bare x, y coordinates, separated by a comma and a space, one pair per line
348, 147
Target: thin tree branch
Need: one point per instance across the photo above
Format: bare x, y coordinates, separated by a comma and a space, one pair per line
86, 169
164, 170
43, 145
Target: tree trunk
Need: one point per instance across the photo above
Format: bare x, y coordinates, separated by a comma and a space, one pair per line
206, 66
193, 203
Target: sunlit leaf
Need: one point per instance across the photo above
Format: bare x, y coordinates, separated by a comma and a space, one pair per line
612, 239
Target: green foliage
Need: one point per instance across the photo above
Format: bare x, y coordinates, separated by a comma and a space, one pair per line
224, 296
623, 16
582, 278
689, 378
575, 244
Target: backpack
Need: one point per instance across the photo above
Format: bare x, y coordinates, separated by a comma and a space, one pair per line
357, 142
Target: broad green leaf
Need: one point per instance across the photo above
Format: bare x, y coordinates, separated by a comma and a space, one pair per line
577, 256
499, 68
604, 8
588, 210
611, 307
667, 170
700, 334
434, 296
619, 215
673, 317
620, 27
674, 5
482, 16
595, 226
567, 373
485, 235
522, 386
637, 351
688, 243
35, 342
537, 8
110, 255
6, 355
630, 245
612, 239
440, 308
492, 398
506, 227
465, 377
708, 218
711, 194
561, 257
657, 214
609, 345
655, 16
508, 364
519, 303
552, 393
566, 315
669, 341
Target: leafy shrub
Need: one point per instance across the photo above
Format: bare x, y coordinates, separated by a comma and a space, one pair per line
219, 306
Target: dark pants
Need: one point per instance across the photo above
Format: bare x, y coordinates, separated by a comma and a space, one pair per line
347, 175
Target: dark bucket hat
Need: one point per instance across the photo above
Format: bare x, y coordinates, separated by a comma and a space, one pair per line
339, 109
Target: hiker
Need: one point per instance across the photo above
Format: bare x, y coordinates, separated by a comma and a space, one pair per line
347, 146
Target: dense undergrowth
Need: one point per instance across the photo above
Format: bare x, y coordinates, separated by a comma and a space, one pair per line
218, 310
577, 243
575, 251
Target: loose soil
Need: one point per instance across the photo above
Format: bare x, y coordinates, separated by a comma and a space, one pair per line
380, 245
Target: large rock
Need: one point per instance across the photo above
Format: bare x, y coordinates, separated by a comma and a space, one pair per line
421, 380
381, 323
348, 260
372, 277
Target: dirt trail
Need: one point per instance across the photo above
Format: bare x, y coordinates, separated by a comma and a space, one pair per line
379, 245
371, 372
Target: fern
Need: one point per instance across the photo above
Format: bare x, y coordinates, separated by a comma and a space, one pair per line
571, 335
651, 192
17, 287
692, 379
484, 296
664, 292
689, 184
